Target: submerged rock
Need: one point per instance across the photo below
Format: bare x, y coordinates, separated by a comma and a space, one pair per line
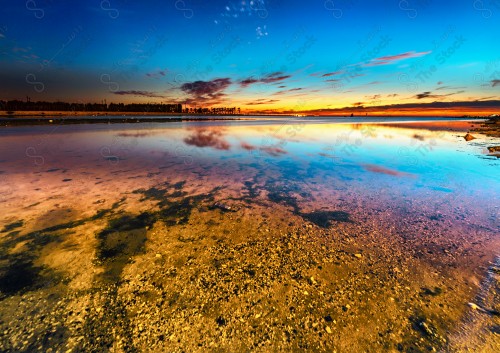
222, 207
469, 137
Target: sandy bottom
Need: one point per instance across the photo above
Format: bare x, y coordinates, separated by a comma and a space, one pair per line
232, 257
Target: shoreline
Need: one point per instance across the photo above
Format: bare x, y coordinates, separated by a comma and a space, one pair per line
490, 127
60, 113
54, 118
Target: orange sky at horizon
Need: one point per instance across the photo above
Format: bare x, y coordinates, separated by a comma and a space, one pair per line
451, 112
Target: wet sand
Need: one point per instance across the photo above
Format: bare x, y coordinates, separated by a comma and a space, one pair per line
154, 248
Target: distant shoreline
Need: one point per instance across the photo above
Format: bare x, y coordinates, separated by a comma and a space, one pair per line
58, 120
61, 113
51, 114
20, 118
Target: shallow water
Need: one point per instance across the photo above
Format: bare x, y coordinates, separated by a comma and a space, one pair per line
125, 235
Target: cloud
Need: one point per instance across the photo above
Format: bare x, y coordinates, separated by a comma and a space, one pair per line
207, 138
332, 73
392, 95
275, 77
485, 98
269, 78
375, 96
435, 96
209, 92
273, 151
248, 82
448, 87
203, 88
376, 63
263, 101
495, 83
407, 55
390, 59
157, 74
383, 170
424, 95
248, 146
139, 94
288, 90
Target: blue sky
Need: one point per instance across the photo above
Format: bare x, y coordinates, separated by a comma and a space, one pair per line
260, 55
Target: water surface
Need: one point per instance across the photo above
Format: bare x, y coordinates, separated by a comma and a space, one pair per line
278, 233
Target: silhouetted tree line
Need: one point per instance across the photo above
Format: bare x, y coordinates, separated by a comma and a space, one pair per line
213, 111
17, 105
28, 105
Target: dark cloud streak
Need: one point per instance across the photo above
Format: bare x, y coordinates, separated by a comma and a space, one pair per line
139, 94
206, 92
269, 78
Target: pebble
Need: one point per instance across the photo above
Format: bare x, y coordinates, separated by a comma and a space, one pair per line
328, 329
474, 306
358, 256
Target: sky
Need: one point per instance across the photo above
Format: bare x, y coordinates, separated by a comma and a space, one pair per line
269, 56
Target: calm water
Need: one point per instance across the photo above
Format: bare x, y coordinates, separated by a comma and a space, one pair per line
416, 159
407, 196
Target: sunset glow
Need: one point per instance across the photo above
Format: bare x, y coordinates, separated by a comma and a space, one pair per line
263, 56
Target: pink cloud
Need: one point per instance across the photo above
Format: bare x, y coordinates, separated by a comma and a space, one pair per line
248, 146
402, 56
389, 59
382, 170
